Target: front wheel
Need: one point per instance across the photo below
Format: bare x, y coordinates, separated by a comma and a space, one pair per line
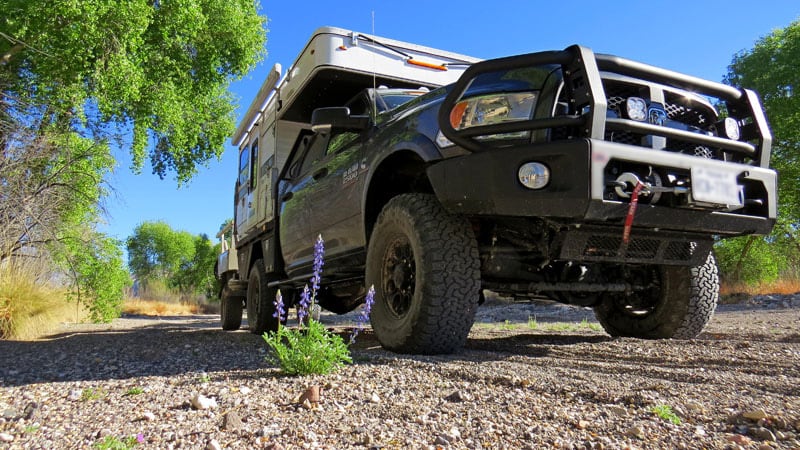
260, 298
423, 262
678, 304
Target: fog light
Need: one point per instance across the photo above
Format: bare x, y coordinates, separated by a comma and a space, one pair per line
534, 175
730, 127
636, 108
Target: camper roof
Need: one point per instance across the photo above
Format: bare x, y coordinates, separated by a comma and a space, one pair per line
336, 63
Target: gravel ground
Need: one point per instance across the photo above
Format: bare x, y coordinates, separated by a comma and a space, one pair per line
523, 381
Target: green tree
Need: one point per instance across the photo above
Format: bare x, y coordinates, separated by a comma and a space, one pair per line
154, 73
197, 275
157, 252
772, 67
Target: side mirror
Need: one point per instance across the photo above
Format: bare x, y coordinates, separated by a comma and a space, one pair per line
324, 120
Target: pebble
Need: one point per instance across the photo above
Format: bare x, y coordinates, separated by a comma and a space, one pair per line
199, 401
244, 390
755, 415
147, 415
636, 431
739, 439
762, 434
617, 410
694, 406
457, 397
441, 440
213, 445
231, 421
5, 437
374, 398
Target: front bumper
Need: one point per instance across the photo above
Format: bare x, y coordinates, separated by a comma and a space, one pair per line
485, 183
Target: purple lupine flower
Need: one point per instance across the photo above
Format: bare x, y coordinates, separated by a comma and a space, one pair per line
363, 318
280, 309
304, 304
319, 261
140, 438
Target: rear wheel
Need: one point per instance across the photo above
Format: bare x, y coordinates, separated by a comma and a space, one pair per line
678, 304
424, 265
231, 305
260, 298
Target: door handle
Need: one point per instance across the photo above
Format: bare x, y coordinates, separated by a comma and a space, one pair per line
320, 173
287, 196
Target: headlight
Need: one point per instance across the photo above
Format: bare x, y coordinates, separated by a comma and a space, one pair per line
494, 109
534, 175
729, 127
636, 108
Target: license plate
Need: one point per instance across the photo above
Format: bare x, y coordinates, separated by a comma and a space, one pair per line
716, 186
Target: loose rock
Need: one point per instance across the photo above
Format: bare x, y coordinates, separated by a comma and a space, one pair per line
200, 401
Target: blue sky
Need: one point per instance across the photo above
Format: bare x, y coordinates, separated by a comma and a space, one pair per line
696, 37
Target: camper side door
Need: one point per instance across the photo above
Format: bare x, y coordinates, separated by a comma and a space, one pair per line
245, 189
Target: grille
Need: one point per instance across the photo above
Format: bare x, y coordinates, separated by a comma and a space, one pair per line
690, 112
609, 246
689, 148
680, 109
660, 248
680, 251
624, 137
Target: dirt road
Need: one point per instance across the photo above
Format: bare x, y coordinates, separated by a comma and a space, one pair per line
530, 377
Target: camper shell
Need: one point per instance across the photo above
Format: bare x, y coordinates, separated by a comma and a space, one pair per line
334, 66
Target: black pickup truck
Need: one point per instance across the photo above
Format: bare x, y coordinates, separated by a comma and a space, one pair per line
589, 179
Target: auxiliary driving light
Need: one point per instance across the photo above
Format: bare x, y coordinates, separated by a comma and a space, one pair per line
636, 108
534, 175
730, 128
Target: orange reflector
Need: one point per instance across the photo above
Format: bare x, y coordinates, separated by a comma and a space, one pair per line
342, 47
457, 114
426, 64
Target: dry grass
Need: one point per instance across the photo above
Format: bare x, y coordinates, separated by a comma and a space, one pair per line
782, 287
147, 307
31, 305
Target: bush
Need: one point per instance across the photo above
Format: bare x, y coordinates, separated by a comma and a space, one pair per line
310, 349
29, 305
99, 276
750, 260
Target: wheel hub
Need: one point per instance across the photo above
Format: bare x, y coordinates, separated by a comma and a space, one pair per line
399, 276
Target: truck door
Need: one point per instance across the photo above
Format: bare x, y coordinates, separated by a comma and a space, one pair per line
296, 213
335, 185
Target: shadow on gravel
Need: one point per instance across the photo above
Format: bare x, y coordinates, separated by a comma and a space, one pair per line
177, 346
533, 345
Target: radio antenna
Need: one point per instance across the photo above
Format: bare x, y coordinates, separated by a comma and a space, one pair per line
374, 76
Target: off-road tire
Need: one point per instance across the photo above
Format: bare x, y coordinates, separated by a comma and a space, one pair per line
681, 308
442, 274
231, 307
260, 298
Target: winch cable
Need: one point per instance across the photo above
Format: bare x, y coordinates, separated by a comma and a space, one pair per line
626, 231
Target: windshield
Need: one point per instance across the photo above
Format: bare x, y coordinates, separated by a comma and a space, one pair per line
392, 98
392, 101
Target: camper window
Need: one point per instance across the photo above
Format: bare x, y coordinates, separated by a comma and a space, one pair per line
244, 166
253, 165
